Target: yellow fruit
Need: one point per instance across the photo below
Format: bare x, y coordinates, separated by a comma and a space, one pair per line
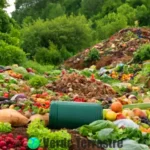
104, 112
147, 112
145, 125
110, 115
11, 106
136, 89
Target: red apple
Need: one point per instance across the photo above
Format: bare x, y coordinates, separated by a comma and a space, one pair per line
120, 116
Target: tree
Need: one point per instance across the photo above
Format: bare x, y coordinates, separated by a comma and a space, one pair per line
129, 12
110, 24
143, 15
25, 8
135, 3
72, 6
52, 11
110, 6
6, 23
91, 7
3, 3
73, 32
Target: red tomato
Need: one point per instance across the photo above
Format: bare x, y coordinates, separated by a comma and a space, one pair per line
47, 106
47, 102
37, 104
45, 94
6, 95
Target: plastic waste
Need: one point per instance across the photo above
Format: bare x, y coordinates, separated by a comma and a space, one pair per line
129, 145
17, 97
102, 71
126, 123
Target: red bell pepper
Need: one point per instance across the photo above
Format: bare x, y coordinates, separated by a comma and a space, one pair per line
93, 78
78, 99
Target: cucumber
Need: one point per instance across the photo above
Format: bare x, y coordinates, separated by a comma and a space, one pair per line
139, 105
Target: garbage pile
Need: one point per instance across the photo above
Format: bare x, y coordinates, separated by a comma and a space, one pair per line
118, 48
79, 85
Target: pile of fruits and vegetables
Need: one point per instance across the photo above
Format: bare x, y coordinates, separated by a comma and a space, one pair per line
122, 88
118, 48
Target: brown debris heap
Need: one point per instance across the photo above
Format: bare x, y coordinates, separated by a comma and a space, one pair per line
75, 84
118, 48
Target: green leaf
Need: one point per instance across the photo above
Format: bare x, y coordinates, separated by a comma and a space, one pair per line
104, 134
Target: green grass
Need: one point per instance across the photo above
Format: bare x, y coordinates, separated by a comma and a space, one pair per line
38, 67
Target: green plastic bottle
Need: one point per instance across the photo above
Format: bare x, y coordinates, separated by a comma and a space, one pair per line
72, 115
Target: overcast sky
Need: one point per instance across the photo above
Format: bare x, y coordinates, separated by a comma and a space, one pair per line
11, 8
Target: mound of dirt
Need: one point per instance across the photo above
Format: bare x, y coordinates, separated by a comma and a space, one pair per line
88, 88
118, 48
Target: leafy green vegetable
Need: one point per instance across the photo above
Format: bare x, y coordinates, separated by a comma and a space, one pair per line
85, 130
96, 122
20, 70
37, 129
65, 98
109, 80
102, 125
38, 81
142, 54
104, 134
5, 127
95, 126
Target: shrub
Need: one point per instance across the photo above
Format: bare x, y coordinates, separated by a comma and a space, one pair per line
9, 39
54, 57
93, 55
142, 54
64, 53
38, 81
42, 55
48, 56
10, 54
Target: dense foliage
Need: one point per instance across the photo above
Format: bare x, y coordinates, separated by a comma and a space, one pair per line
47, 38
